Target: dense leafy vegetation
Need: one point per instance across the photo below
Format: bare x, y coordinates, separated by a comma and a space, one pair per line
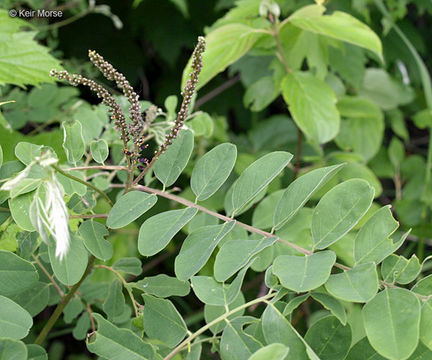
278, 206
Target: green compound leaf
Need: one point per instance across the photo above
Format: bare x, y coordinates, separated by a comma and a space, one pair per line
73, 142
341, 26
212, 312
294, 303
163, 286
15, 322
329, 338
235, 344
212, 170
198, 246
393, 333
331, 304
129, 208
262, 217
99, 150
256, 177
115, 301
26, 152
20, 210
235, 254
16, 274
274, 351
211, 292
373, 242
13, 349
130, 265
363, 350
312, 104
300, 191
93, 234
425, 324
36, 352
339, 210
360, 284
398, 269
304, 273
35, 299
157, 231
24, 186
278, 329
72, 267
171, 163
162, 321
238, 38
113, 343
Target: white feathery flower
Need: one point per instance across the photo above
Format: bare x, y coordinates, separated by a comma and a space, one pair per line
48, 214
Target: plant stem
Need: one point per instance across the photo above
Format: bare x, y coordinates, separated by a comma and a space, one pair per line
280, 52
59, 309
216, 91
214, 322
84, 183
60, 292
89, 216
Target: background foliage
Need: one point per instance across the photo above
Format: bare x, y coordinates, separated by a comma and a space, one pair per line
310, 128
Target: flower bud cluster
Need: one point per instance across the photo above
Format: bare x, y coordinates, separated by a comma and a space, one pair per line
187, 93
107, 99
136, 124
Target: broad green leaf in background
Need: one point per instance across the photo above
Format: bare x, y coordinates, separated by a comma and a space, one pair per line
162, 321
235, 344
256, 177
73, 142
157, 231
15, 322
1, 156
130, 265
363, 350
113, 343
69, 270
235, 254
201, 125
172, 162
304, 273
99, 150
212, 170
300, 191
392, 332
425, 324
273, 351
224, 46
396, 152
115, 301
13, 349
362, 126
380, 88
129, 208
20, 210
359, 284
93, 234
340, 26
70, 186
399, 269
373, 242
294, 303
198, 246
424, 286
331, 304
163, 286
339, 210
23, 61
312, 104
329, 338
16, 274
